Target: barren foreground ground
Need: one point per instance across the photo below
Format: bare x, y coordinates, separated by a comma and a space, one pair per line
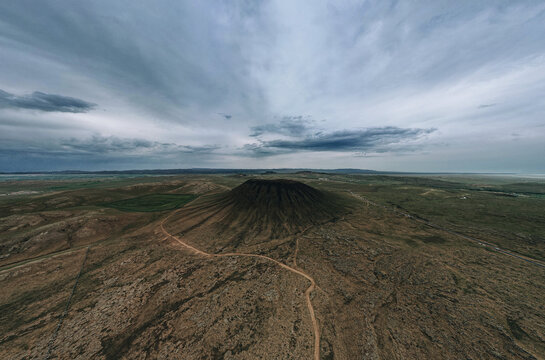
323, 266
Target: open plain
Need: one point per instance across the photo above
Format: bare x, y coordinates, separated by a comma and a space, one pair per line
274, 266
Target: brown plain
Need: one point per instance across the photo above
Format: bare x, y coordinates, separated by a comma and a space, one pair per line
265, 269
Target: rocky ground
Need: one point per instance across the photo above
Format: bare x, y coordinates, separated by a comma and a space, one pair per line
387, 288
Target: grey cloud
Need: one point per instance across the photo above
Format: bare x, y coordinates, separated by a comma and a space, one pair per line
379, 139
115, 145
226, 116
105, 146
160, 63
289, 125
44, 102
97, 153
258, 150
483, 106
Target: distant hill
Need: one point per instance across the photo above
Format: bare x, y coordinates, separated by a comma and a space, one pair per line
203, 171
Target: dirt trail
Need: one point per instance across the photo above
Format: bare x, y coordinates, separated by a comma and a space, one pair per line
65, 312
289, 268
18, 264
309, 305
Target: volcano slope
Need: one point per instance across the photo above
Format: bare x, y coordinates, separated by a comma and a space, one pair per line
261, 211
386, 286
256, 213
270, 209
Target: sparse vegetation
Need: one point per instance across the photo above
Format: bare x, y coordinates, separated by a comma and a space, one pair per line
387, 285
152, 202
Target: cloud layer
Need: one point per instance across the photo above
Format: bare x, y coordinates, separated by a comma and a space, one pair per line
419, 86
44, 102
288, 125
372, 139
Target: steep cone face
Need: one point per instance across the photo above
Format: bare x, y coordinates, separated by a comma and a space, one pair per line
281, 196
278, 207
260, 210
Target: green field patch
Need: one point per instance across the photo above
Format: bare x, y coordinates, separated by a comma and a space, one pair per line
434, 239
152, 202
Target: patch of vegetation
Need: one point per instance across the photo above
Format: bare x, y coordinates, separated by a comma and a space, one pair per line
434, 239
516, 330
152, 202
505, 213
410, 242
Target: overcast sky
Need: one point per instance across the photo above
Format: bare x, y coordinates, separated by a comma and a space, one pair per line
402, 85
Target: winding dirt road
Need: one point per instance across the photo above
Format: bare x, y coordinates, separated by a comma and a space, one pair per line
309, 290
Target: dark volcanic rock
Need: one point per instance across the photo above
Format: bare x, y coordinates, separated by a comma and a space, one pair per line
258, 211
281, 205
280, 195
